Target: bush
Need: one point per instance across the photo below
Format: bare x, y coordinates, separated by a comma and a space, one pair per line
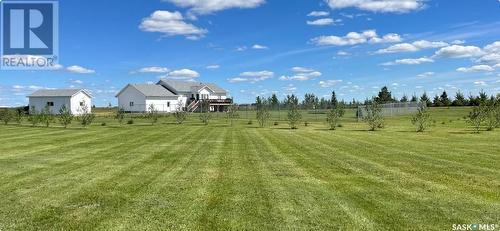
250, 122
46, 116
180, 114
293, 114
333, 117
65, 116
305, 124
130, 121
374, 117
421, 120
120, 115
103, 124
477, 117
6, 116
276, 123
86, 117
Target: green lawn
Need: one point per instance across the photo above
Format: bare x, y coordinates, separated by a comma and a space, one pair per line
171, 177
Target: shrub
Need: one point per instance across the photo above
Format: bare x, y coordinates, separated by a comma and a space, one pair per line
263, 114
232, 114
130, 121
477, 117
33, 117
153, 114
276, 123
180, 114
6, 116
46, 116
103, 124
65, 116
333, 117
120, 115
293, 114
250, 122
19, 115
374, 117
86, 116
492, 116
205, 115
305, 124
421, 120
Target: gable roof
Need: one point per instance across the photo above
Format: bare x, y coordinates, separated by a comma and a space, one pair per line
58, 93
150, 90
186, 86
179, 86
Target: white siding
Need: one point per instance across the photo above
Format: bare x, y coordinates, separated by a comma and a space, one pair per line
73, 103
77, 100
128, 95
165, 104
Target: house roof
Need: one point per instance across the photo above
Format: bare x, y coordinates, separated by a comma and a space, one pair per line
58, 93
150, 90
187, 86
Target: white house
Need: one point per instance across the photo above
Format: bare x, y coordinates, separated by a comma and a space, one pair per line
172, 95
73, 99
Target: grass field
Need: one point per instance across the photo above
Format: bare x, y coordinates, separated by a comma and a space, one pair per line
217, 177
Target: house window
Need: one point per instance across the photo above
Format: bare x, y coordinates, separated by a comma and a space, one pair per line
131, 104
50, 104
82, 103
168, 104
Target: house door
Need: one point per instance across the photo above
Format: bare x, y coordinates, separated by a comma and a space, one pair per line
197, 96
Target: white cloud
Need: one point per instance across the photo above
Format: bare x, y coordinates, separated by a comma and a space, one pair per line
458, 42
426, 74
323, 22
252, 76
157, 70
318, 14
457, 51
259, 47
183, 74
289, 89
211, 67
211, 6
242, 48
388, 38
397, 48
480, 83
354, 38
392, 6
493, 48
411, 47
343, 53
424, 44
301, 74
409, 61
79, 70
171, 24
329, 83
490, 58
477, 68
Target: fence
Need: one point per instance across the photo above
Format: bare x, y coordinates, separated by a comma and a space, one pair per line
391, 109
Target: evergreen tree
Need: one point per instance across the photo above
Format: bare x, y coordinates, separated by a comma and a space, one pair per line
445, 101
414, 98
384, 96
404, 99
274, 102
437, 101
459, 100
333, 101
425, 100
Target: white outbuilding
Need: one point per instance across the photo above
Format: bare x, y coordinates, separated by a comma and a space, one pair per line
74, 99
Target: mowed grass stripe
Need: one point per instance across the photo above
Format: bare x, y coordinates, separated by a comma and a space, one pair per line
177, 188
448, 196
49, 208
438, 170
309, 195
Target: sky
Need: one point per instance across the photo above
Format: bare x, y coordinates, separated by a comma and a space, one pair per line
261, 47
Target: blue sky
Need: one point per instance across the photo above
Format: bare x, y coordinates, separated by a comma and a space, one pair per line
260, 47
